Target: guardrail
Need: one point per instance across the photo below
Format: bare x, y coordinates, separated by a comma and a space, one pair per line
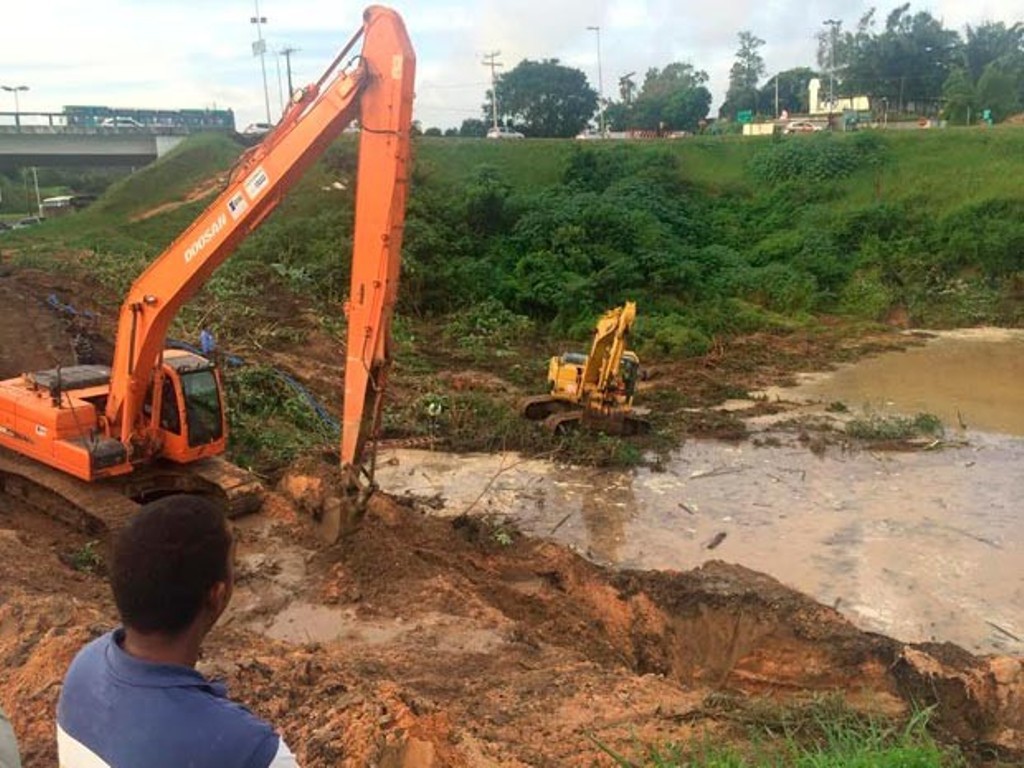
65, 130
56, 123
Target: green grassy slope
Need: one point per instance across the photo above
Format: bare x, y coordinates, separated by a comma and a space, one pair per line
559, 229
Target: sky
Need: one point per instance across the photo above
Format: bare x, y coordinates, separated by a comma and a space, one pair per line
198, 53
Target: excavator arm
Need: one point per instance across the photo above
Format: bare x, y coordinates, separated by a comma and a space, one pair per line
607, 350
378, 91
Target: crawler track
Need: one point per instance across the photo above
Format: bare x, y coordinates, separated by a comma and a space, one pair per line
92, 508
102, 507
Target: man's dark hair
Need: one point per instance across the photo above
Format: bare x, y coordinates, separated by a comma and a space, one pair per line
166, 560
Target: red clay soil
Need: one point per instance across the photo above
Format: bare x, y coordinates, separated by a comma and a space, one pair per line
418, 641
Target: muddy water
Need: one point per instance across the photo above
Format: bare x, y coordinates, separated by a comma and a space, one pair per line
921, 546
969, 377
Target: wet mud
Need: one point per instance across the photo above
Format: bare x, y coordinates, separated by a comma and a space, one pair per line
432, 642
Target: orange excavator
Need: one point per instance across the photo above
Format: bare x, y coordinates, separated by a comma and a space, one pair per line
88, 443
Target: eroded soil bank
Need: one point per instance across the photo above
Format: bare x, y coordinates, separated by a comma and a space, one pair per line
431, 642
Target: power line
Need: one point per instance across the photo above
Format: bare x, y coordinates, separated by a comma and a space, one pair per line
451, 85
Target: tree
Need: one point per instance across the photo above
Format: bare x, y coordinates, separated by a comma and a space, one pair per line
432, 131
744, 76
793, 92
907, 64
992, 42
961, 97
451, 132
999, 91
544, 98
473, 128
674, 98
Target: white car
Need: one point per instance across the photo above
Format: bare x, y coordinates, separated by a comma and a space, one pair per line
802, 126
588, 134
504, 133
120, 122
257, 129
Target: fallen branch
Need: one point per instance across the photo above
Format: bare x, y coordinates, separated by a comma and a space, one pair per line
717, 471
717, 539
501, 470
1006, 632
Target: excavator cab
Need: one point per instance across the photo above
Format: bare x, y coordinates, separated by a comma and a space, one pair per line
190, 417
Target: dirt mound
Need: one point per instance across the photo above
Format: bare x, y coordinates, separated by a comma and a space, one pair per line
429, 642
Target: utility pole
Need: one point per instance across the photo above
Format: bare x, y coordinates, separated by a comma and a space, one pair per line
259, 48
835, 24
280, 87
287, 52
39, 201
776, 96
600, 82
491, 60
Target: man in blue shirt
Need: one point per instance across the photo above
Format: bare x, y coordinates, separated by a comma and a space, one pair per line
132, 697
8, 744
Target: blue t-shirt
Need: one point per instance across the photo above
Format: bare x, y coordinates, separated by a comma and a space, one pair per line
130, 713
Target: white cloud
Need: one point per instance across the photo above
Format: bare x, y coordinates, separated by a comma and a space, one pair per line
196, 53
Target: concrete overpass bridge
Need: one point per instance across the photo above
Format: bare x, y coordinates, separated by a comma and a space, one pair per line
45, 139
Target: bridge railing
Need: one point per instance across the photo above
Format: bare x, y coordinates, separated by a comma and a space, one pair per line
57, 123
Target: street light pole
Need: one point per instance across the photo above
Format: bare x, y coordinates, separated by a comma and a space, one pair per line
600, 82
17, 107
259, 48
834, 24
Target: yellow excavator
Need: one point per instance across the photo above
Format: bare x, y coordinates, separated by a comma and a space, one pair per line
594, 390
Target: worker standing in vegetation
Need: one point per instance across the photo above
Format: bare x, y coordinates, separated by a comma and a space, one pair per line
133, 696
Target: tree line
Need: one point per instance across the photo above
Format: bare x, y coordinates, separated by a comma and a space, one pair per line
909, 64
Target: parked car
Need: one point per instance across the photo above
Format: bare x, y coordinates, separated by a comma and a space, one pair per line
588, 134
120, 122
504, 133
257, 129
802, 126
28, 221
4, 226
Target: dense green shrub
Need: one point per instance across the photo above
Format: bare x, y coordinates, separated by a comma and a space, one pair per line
670, 336
821, 157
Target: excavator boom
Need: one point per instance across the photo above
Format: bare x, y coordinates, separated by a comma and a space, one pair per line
607, 349
379, 92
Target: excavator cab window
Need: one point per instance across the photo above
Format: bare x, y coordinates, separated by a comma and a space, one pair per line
630, 371
202, 407
170, 416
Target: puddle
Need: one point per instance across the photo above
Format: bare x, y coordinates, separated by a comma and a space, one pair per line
302, 622
967, 377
